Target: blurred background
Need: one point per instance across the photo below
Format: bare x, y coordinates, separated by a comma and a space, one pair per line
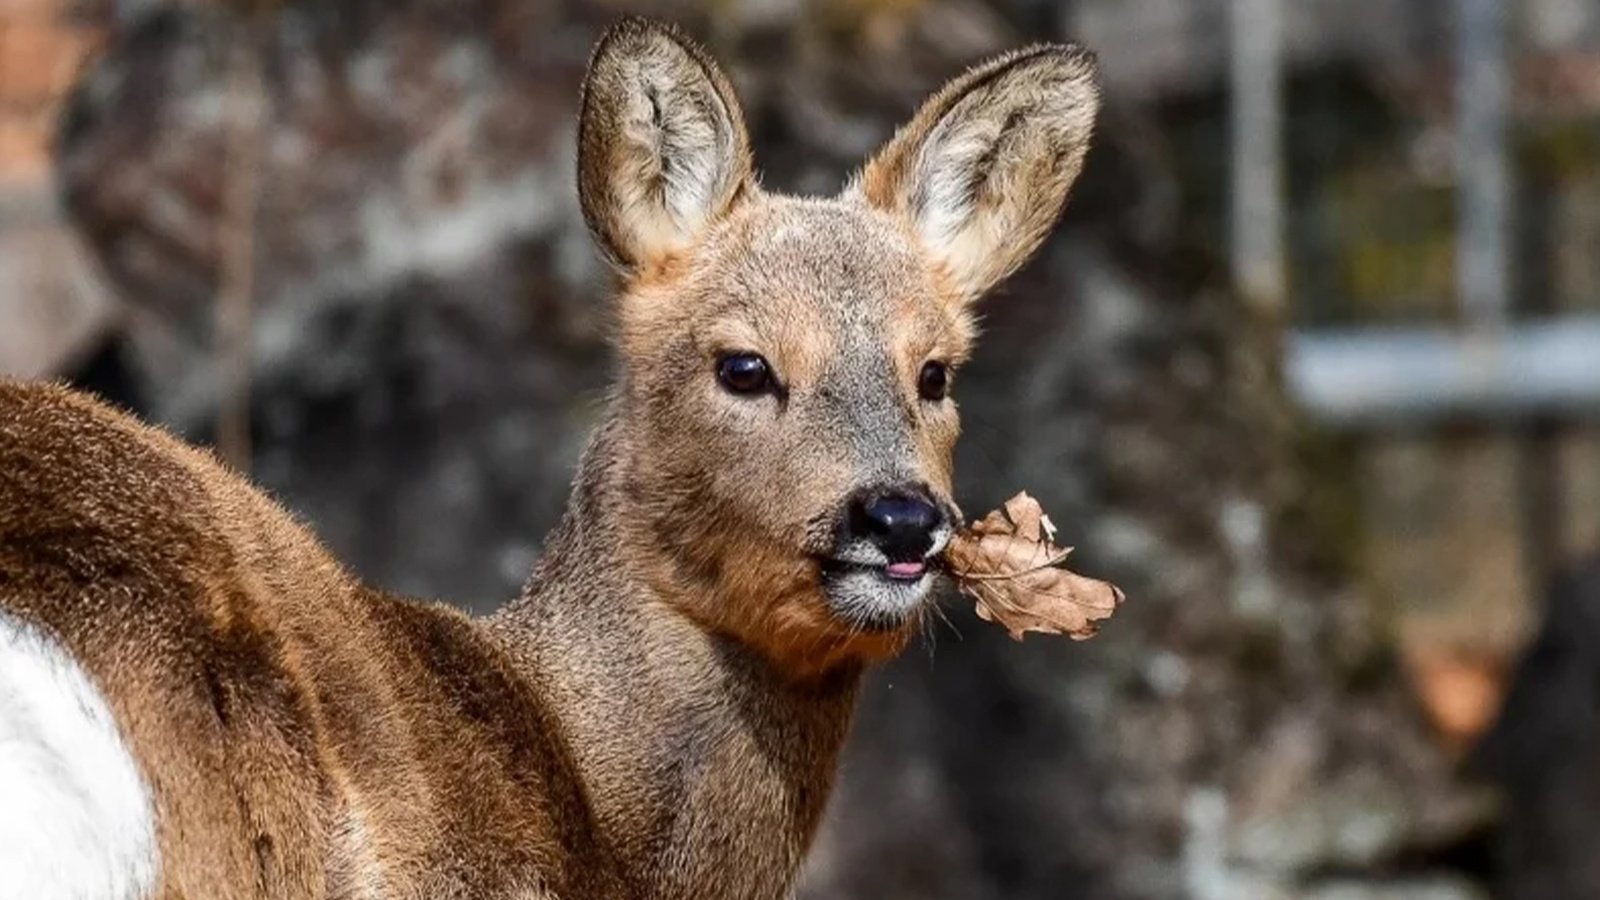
1312, 369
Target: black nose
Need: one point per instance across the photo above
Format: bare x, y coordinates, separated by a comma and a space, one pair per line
900, 522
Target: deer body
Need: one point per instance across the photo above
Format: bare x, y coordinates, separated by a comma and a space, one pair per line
213, 707
340, 742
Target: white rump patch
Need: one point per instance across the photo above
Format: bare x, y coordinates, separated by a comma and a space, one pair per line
75, 816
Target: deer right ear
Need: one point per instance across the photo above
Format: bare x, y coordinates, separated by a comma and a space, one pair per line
662, 147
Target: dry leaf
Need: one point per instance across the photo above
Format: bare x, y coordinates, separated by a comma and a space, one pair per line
1008, 562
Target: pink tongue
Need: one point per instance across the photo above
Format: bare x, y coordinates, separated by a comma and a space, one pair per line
907, 569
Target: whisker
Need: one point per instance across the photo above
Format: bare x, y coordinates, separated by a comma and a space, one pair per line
939, 611
930, 637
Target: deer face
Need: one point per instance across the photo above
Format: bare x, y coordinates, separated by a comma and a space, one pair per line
788, 363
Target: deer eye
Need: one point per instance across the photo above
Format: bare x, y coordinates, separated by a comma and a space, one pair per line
744, 373
934, 382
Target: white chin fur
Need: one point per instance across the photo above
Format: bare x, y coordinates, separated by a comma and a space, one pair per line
869, 599
76, 821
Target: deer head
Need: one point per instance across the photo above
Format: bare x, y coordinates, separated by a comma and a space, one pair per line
788, 363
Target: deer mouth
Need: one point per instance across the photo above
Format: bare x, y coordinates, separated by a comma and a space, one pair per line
877, 596
896, 571
905, 571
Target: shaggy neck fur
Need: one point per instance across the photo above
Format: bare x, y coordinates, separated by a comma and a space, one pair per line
706, 765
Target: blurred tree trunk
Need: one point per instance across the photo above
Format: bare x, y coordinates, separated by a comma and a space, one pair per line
1238, 731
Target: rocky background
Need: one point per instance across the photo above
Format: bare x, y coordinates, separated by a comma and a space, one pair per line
425, 325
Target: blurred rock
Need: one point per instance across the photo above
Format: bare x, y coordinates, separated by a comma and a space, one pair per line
1436, 889
418, 142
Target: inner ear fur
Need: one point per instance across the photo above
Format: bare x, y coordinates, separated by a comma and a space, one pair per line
983, 170
662, 147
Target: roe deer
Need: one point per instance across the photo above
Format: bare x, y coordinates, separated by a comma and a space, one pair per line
196, 701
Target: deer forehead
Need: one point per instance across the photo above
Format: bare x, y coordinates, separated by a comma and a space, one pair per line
822, 287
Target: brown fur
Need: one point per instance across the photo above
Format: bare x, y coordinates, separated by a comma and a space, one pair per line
659, 714
246, 667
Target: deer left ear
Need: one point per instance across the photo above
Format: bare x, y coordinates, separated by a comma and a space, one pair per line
983, 169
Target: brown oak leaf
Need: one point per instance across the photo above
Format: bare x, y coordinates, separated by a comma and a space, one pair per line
1009, 563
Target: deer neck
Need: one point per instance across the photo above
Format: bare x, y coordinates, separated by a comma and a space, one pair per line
707, 767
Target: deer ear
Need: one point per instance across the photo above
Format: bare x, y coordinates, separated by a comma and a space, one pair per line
662, 148
983, 169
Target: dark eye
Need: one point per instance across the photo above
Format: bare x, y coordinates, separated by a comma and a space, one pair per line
934, 382
744, 373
